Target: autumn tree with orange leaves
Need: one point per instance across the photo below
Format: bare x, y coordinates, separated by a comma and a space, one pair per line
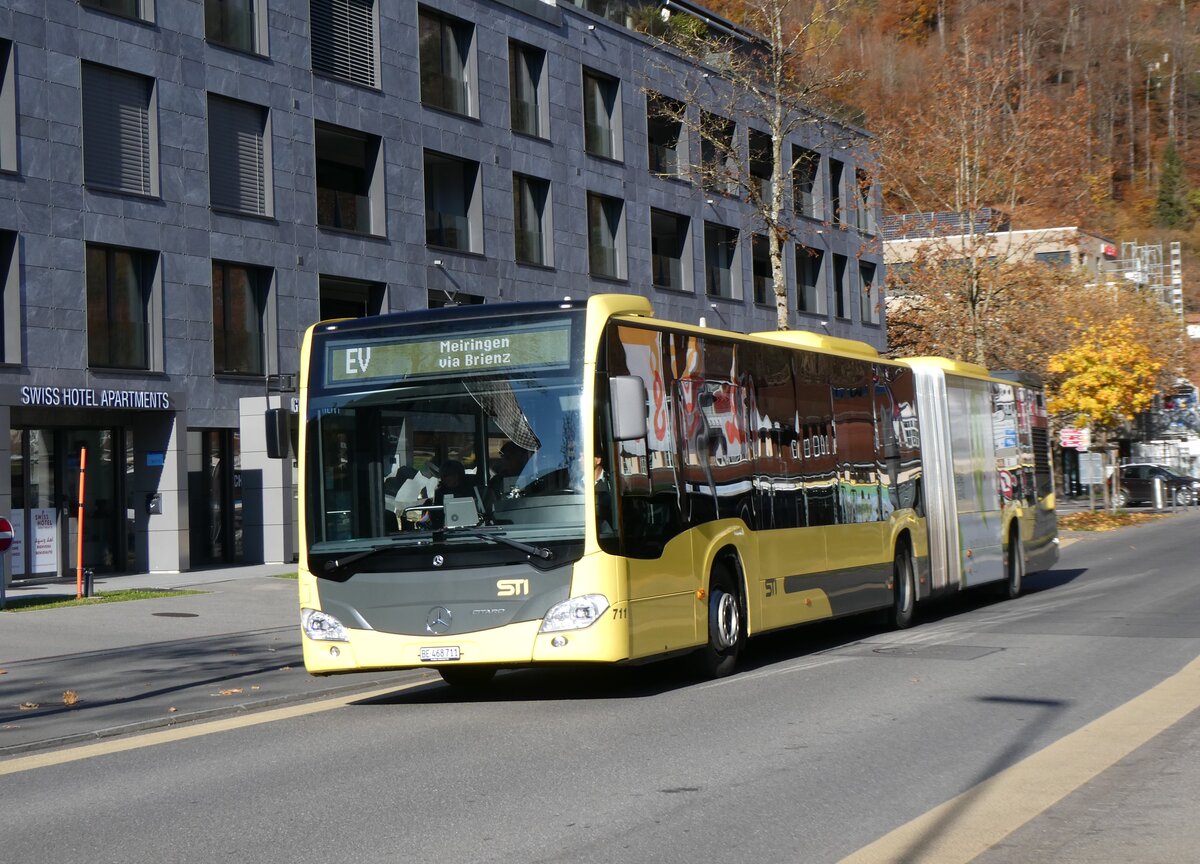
1107, 376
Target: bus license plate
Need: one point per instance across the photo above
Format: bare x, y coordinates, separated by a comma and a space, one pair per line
435, 655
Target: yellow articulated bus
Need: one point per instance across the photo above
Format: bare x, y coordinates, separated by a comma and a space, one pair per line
577, 482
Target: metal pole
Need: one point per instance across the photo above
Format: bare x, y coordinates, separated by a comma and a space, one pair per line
3, 577
79, 531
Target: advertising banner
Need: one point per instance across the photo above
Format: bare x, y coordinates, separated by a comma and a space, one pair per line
45, 541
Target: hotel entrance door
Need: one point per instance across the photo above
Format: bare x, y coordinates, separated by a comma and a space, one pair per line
45, 493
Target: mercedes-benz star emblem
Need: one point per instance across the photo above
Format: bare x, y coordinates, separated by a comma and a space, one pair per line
438, 560
437, 621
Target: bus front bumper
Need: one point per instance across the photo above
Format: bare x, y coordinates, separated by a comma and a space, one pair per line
518, 644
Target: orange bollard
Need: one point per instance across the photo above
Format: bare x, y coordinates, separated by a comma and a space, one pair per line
79, 527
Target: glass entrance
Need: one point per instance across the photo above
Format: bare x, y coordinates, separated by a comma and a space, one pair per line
215, 495
44, 468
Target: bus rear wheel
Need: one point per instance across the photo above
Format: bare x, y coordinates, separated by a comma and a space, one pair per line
726, 625
1014, 570
467, 677
904, 591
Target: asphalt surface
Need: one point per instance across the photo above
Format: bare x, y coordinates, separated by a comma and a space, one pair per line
141, 664
233, 648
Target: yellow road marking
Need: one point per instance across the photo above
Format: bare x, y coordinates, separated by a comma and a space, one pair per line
191, 730
968, 825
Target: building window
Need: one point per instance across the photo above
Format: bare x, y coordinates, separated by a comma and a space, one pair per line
452, 210
721, 270
862, 202
806, 182
349, 180
836, 171
527, 100
762, 164
238, 156
669, 250
344, 40
718, 153
143, 10
349, 298
10, 299
601, 115
617, 11
445, 62
531, 219
763, 275
239, 302
810, 280
664, 135
119, 136
606, 236
841, 287
1053, 259
868, 311
236, 24
118, 301
8, 107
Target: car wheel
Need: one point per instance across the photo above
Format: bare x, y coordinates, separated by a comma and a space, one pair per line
1184, 496
1120, 498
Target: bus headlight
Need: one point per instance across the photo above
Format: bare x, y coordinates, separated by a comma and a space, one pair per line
575, 614
321, 626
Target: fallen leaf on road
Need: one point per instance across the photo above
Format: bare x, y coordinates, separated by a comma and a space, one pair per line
70, 697
29, 706
172, 710
255, 687
5, 671
916, 680
233, 691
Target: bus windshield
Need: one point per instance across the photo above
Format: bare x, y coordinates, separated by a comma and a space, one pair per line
415, 457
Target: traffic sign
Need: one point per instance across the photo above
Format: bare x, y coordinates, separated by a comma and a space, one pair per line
1075, 439
6, 534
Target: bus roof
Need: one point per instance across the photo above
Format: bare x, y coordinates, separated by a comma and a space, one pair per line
819, 342
956, 367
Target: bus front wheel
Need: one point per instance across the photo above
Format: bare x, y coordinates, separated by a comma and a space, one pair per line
904, 593
726, 625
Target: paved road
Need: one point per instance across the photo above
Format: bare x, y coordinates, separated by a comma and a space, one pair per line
147, 663
1045, 726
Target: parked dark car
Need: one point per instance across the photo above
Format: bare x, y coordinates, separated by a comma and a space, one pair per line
1137, 485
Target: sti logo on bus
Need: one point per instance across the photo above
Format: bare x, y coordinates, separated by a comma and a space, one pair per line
512, 587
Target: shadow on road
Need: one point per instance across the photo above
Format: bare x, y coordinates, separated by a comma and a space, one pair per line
1028, 731
107, 679
652, 679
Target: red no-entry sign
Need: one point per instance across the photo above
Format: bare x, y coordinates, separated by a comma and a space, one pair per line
6, 534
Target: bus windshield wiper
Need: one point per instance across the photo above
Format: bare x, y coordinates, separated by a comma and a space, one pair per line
535, 551
341, 562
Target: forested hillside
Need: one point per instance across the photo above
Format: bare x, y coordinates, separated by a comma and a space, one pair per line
1063, 112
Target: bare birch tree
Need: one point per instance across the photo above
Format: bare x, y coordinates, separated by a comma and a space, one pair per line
755, 90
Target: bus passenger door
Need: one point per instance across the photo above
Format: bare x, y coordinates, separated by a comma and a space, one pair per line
658, 551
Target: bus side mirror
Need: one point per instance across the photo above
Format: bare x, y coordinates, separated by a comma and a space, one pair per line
279, 436
628, 394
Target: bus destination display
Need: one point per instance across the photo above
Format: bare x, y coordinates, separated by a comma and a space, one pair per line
508, 349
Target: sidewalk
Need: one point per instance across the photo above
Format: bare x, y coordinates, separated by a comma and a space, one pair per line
144, 663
